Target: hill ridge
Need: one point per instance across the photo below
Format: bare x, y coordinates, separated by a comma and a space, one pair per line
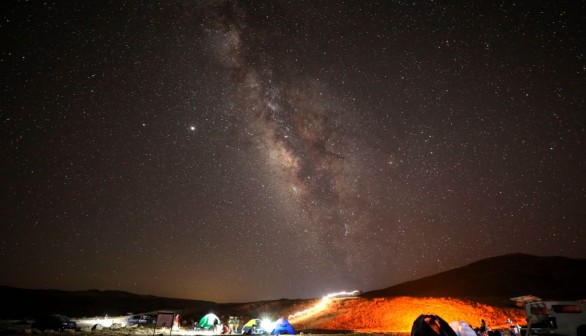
500, 276
492, 280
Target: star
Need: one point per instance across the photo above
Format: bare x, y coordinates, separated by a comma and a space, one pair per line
295, 146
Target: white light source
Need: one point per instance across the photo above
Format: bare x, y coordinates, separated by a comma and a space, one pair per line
322, 304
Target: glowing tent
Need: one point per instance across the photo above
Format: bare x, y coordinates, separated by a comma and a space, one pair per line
208, 321
462, 328
252, 327
282, 326
431, 325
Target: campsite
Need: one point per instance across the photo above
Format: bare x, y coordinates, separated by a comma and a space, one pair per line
334, 314
344, 315
461, 297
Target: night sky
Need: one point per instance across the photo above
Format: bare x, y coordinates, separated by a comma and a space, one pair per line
250, 150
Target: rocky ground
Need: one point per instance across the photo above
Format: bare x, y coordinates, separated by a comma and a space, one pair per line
339, 316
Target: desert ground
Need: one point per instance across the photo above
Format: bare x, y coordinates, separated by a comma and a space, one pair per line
336, 316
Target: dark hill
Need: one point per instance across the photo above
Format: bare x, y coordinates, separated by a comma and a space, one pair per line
22, 303
500, 278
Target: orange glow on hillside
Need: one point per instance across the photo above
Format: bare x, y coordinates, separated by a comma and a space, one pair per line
398, 314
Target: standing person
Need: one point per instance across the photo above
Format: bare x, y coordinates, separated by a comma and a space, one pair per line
238, 320
513, 328
482, 327
232, 324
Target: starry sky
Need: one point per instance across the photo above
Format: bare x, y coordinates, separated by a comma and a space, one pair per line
248, 150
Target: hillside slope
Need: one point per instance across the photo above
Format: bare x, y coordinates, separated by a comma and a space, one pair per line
479, 290
381, 315
500, 277
21, 303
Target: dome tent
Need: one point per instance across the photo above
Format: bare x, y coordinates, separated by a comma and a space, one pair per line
282, 326
431, 325
252, 327
462, 328
208, 321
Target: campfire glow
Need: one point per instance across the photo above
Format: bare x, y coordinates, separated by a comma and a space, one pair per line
398, 314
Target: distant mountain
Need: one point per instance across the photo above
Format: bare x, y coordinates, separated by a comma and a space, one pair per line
499, 278
22, 303
491, 281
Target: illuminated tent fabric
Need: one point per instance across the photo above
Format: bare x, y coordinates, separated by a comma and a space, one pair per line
282, 326
462, 328
208, 321
424, 325
251, 326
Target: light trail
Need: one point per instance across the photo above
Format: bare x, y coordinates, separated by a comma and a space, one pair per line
322, 304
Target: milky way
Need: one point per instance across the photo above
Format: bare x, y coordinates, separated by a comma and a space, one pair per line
244, 150
297, 129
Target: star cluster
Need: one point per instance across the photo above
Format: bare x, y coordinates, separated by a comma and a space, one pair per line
249, 150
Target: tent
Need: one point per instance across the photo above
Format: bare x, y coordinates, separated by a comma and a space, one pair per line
282, 326
208, 321
251, 327
431, 325
462, 328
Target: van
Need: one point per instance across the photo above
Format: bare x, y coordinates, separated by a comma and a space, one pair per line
563, 318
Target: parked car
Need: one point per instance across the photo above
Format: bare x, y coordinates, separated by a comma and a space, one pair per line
54, 322
141, 320
555, 318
